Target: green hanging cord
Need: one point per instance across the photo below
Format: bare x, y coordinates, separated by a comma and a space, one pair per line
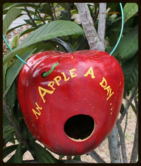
11, 50
121, 31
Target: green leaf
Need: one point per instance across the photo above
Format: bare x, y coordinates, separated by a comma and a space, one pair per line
48, 31
130, 9
15, 69
14, 42
9, 18
6, 5
41, 46
29, 22
18, 154
3, 143
25, 131
11, 95
82, 42
8, 131
23, 5
5, 120
15, 28
42, 155
9, 138
4, 12
64, 15
113, 6
130, 70
39, 23
8, 150
113, 36
17, 115
74, 11
4, 74
52, 30
64, 5
27, 31
54, 5
77, 158
116, 19
30, 11
59, 9
45, 8
128, 45
11, 160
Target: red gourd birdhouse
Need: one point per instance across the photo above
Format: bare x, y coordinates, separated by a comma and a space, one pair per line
74, 108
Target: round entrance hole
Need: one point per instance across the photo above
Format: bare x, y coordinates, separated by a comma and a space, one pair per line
79, 127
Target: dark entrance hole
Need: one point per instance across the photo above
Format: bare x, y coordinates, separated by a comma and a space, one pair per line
79, 126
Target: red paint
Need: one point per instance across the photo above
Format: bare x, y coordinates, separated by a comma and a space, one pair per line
78, 95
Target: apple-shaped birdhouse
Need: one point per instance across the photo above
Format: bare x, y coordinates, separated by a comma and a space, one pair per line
74, 107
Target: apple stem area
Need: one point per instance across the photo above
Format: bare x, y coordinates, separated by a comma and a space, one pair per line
79, 127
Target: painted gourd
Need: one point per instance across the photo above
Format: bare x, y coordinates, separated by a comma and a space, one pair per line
73, 109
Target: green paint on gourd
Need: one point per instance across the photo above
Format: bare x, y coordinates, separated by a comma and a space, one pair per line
45, 74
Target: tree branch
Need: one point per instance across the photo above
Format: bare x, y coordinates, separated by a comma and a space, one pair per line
88, 26
113, 146
126, 123
69, 18
30, 17
102, 21
126, 113
39, 15
52, 18
135, 146
69, 11
136, 103
122, 143
128, 104
134, 154
53, 11
96, 157
16, 128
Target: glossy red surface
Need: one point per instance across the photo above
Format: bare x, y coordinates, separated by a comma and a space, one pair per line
91, 82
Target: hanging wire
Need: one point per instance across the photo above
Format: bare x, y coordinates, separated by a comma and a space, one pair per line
11, 50
121, 31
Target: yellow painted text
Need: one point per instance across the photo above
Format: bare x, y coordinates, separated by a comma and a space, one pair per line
65, 78
57, 80
103, 84
72, 73
37, 112
43, 91
91, 72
